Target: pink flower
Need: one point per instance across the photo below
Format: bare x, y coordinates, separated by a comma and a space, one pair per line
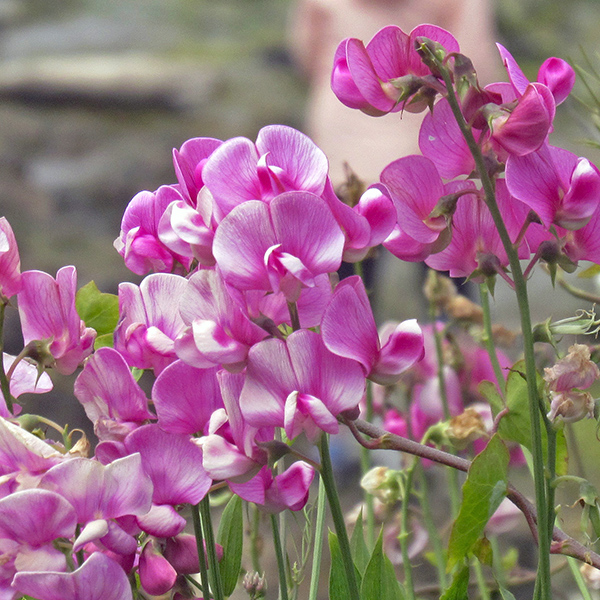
560, 187
348, 329
139, 244
48, 314
150, 321
299, 385
10, 262
383, 76
282, 160
281, 246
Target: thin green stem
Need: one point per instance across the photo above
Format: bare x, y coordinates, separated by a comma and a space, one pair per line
213, 563
318, 545
200, 547
283, 588
432, 530
542, 587
254, 539
484, 592
294, 317
338, 517
498, 568
404, 530
488, 338
578, 577
453, 484
365, 464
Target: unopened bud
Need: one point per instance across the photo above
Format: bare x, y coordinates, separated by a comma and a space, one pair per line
439, 290
255, 585
463, 309
382, 483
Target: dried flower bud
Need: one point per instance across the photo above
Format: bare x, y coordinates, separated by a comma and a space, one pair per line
503, 336
575, 370
571, 406
465, 428
463, 309
439, 290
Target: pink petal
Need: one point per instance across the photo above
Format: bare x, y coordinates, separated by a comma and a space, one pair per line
559, 76
162, 521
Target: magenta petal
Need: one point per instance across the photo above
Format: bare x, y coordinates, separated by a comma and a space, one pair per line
390, 53
307, 229
401, 351
241, 241
582, 199
182, 552
174, 464
98, 491
401, 245
179, 406
348, 327
559, 76
290, 488
36, 517
99, 578
342, 84
162, 521
10, 262
223, 460
25, 378
157, 576
517, 78
376, 206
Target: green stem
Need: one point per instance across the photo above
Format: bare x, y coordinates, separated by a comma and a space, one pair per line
484, 592
578, 577
488, 338
318, 545
4, 381
200, 547
283, 589
365, 464
213, 564
542, 586
453, 483
404, 531
338, 517
294, 317
497, 566
254, 539
432, 530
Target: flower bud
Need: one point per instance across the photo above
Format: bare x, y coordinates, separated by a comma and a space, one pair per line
382, 483
255, 585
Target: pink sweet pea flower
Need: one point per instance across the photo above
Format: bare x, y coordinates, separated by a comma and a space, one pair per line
150, 321
48, 314
281, 246
282, 160
218, 331
138, 243
383, 76
560, 187
273, 494
416, 188
110, 396
299, 385
99, 578
475, 240
348, 329
10, 262
30, 521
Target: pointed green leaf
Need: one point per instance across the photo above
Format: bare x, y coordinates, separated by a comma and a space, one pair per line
459, 588
358, 547
483, 490
231, 536
96, 309
338, 584
506, 595
379, 581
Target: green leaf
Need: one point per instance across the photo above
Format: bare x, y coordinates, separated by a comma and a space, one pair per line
103, 341
515, 426
231, 536
338, 584
459, 588
505, 594
96, 309
483, 490
358, 547
379, 581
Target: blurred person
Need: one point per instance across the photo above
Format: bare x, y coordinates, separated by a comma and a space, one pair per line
365, 143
